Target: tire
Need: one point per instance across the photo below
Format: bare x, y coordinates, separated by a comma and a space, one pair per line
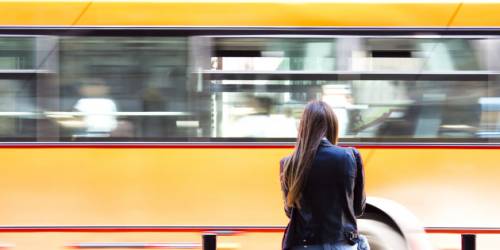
381, 236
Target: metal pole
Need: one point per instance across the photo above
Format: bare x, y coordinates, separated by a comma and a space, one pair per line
468, 242
209, 241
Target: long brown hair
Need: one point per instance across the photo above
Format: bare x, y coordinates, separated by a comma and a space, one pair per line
318, 121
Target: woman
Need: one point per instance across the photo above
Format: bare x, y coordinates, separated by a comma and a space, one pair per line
323, 186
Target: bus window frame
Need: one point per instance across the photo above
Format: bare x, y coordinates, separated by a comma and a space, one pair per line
304, 32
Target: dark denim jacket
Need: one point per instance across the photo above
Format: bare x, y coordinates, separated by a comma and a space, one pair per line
332, 198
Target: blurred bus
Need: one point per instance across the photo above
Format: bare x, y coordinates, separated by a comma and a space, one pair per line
171, 113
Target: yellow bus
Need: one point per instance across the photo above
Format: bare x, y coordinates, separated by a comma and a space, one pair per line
177, 113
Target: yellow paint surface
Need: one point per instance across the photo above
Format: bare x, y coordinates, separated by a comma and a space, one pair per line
227, 13
85, 186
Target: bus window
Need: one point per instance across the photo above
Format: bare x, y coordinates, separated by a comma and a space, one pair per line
382, 89
17, 110
18, 119
17, 53
132, 88
246, 88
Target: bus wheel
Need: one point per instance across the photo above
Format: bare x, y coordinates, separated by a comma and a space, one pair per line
381, 236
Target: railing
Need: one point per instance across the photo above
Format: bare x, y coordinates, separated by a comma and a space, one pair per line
209, 234
468, 234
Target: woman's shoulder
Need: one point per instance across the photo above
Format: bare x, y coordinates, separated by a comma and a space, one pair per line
340, 152
333, 148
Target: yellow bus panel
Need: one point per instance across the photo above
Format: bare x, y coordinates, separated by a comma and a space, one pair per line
209, 186
248, 13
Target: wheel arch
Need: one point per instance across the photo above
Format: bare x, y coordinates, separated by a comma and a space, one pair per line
372, 212
400, 219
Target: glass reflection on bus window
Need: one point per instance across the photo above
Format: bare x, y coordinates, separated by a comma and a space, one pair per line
17, 53
274, 54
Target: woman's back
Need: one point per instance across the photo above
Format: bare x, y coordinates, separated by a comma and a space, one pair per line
331, 199
323, 184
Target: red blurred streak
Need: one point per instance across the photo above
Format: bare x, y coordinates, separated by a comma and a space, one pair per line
241, 146
466, 230
34, 145
222, 230
191, 245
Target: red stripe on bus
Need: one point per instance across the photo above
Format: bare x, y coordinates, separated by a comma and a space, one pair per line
209, 229
166, 146
140, 146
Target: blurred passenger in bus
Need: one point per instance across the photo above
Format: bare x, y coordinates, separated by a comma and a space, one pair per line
323, 186
262, 123
98, 110
154, 126
124, 129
